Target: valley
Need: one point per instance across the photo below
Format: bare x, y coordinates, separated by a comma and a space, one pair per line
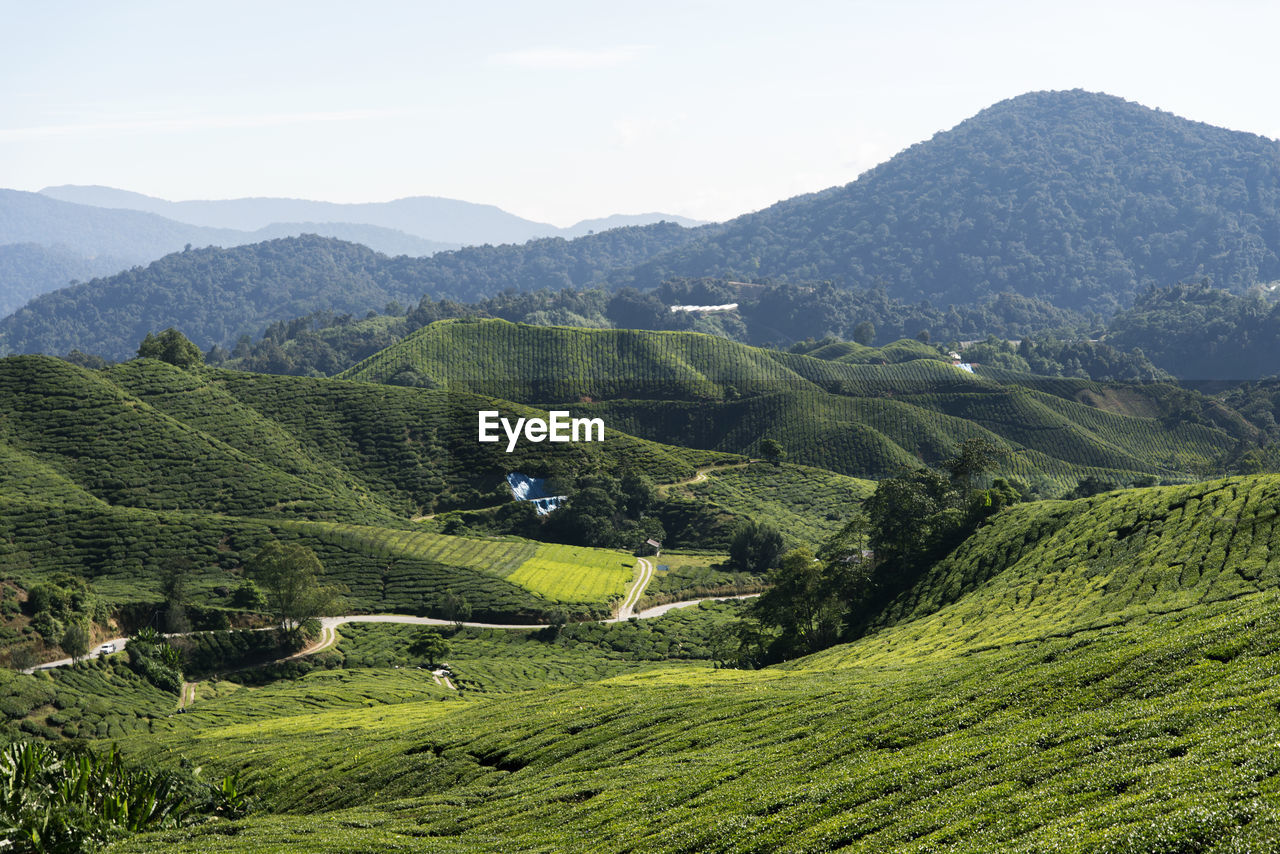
934, 512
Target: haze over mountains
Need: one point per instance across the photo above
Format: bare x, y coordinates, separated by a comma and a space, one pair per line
1076, 199
432, 218
64, 233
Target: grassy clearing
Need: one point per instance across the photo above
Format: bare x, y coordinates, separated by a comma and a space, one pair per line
576, 573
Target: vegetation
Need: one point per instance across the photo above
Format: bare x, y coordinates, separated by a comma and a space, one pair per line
1147, 199
61, 802
218, 295
291, 575
1104, 712
864, 420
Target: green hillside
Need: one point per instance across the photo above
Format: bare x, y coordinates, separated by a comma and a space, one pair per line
855, 418
114, 475
1049, 687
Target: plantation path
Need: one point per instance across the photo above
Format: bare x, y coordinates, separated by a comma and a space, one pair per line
628, 606
117, 643
328, 637
187, 695
659, 610
700, 475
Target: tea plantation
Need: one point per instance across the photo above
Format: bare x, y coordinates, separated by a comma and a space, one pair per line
1097, 675
848, 415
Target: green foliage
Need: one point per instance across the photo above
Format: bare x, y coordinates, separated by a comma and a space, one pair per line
57, 801
1146, 199
755, 547
431, 645
860, 419
75, 640
208, 653
291, 576
155, 660
170, 346
216, 295
1199, 332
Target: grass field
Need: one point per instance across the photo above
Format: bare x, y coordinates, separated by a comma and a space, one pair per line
575, 573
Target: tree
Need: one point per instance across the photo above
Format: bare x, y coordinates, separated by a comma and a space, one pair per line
772, 450
291, 576
173, 587
75, 640
455, 608
23, 657
803, 602
976, 455
249, 596
170, 346
430, 645
755, 547
865, 333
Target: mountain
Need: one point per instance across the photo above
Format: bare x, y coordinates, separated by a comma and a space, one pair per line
1065, 201
1078, 198
589, 226
216, 295
429, 217
29, 269
45, 242
865, 420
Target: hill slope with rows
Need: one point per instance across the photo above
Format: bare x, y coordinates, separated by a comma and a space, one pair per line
1120, 708
113, 474
864, 420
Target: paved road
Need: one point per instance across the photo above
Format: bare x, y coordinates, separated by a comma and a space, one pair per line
329, 625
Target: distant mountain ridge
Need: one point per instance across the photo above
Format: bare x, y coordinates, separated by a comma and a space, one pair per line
1076, 199
429, 217
96, 231
1080, 198
216, 295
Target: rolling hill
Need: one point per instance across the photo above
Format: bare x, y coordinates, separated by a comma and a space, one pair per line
110, 474
1047, 701
859, 419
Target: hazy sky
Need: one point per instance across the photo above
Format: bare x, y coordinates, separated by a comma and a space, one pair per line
560, 111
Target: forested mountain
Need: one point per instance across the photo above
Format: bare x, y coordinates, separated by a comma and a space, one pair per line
429, 217
1041, 212
29, 269
1082, 199
217, 295
1200, 332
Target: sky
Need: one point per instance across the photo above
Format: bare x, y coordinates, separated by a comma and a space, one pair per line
563, 111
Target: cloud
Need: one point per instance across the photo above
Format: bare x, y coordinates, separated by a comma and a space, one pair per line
182, 124
569, 59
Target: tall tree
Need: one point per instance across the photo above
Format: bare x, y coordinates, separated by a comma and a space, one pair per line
292, 577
